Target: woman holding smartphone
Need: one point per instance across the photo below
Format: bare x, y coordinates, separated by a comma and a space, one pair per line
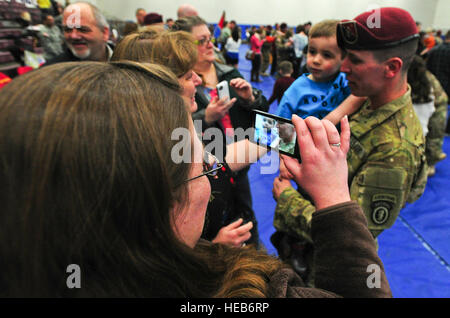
217, 113
225, 223
87, 180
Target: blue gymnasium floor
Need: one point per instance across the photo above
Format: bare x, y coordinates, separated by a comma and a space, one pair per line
415, 251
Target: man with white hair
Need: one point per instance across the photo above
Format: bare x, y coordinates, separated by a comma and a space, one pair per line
86, 34
187, 10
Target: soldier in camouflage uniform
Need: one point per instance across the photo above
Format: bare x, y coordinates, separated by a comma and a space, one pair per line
430, 103
386, 161
436, 125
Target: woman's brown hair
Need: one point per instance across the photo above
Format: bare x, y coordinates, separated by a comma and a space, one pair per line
87, 178
175, 50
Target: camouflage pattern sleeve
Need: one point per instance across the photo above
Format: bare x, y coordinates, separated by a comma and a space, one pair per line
380, 190
382, 187
293, 214
437, 123
387, 165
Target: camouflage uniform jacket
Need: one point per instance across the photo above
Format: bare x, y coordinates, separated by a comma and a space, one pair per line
387, 168
437, 122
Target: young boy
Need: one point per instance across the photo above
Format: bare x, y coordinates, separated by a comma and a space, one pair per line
320, 91
283, 83
386, 160
317, 93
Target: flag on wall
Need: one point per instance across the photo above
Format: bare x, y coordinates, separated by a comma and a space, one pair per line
222, 21
219, 27
4, 80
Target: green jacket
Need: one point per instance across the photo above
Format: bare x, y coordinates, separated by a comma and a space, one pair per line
386, 165
436, 123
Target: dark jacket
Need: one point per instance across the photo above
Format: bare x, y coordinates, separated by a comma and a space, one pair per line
345, 258
231, 195
241, 112
67, 56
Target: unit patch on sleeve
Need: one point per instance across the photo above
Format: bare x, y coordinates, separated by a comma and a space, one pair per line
382, 205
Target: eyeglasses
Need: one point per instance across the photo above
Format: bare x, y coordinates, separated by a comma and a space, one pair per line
211, 166
203, 42
349, 33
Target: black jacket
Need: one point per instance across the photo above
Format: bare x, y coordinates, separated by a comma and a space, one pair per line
241, 112
67, 56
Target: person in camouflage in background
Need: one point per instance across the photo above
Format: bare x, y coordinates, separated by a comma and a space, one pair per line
430, 103
436, 125
386, 161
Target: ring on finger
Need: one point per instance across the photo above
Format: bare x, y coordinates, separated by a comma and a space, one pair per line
336, 145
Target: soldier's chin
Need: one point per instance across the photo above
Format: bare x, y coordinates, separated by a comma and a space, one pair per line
354, 89
81, 55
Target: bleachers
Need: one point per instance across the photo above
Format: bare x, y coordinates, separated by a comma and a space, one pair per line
14, 38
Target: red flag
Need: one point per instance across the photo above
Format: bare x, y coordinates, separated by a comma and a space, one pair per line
4, 80
222, 21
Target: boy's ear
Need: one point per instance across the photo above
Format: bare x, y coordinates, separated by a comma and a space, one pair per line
393, 66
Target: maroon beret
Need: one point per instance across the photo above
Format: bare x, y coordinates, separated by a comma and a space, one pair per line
378, 29
152, 18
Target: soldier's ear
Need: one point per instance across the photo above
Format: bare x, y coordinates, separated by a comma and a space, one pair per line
393, 66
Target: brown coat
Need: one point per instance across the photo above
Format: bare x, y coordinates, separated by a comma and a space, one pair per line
344, 249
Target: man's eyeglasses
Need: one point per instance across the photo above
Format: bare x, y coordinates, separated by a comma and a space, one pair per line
211, 166
203, 42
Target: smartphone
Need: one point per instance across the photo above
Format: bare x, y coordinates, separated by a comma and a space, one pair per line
275, 133
223, 90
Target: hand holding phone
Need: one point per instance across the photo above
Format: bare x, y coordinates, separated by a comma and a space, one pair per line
323, 173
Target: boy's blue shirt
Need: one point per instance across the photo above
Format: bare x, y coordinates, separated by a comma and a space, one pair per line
308, 98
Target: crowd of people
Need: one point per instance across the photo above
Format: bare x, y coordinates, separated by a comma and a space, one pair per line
88, 141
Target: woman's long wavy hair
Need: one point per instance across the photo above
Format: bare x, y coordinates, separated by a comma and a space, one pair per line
236, 272
86, 178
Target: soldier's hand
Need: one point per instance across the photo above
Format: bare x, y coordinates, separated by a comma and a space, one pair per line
284, 172
279, 185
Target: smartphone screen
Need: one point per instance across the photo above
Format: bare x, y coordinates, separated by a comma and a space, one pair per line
275, 133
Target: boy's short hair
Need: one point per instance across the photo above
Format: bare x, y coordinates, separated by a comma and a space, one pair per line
325, 28
286, 67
